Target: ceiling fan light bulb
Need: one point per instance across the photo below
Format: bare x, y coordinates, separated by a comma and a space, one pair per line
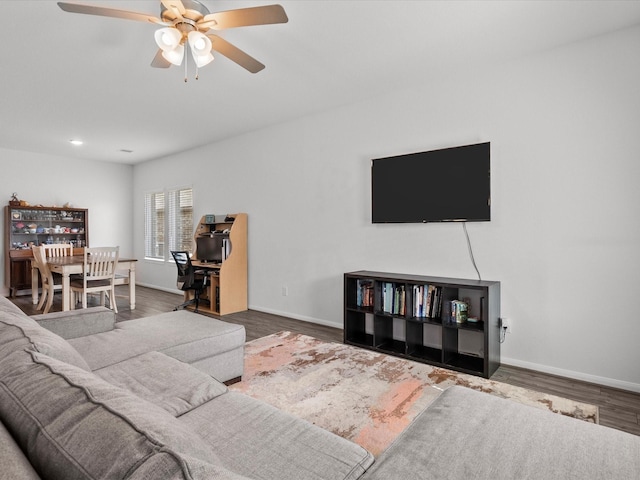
202, 60
167, 38
174, 56
199, 43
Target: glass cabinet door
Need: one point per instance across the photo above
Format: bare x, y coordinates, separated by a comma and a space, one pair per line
40, 225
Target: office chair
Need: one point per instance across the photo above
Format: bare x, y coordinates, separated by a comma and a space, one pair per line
187, 279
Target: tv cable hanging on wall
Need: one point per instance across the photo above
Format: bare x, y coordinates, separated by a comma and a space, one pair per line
473, 260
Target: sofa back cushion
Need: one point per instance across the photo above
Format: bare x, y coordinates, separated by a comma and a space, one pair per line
41, 339
73, 425
15, 465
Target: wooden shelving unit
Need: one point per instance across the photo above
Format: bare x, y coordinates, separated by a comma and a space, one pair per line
72, 227
382, 312
227, 289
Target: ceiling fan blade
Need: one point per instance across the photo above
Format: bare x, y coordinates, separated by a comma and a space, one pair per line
175, 5
234, 54
159, 61
244, 17
108, 12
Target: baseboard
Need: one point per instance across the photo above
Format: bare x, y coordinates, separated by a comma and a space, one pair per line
585, 377
303, 318
163, 289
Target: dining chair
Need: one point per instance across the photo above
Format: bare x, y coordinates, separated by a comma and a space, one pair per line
55, 250
97, 277
58, 250
46, 278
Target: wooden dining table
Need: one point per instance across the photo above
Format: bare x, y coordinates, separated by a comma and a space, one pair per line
71, 265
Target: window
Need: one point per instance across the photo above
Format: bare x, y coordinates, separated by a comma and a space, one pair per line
168, 222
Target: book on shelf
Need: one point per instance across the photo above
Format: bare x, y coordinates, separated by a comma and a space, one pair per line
364, 293
226, 248
427, 301
393, 298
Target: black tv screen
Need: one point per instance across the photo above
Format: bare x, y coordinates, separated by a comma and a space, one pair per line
447, 185
209, 248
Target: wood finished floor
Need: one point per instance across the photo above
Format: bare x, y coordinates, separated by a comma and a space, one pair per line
619, 409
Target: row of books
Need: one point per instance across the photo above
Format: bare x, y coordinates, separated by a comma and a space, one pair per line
394, 298
427, 301
364, 293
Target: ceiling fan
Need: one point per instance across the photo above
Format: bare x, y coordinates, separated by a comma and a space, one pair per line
187, 22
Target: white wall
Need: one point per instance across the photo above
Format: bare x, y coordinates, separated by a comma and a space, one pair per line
565, 229
104, 188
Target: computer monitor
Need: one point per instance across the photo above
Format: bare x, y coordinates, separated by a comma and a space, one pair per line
209, 249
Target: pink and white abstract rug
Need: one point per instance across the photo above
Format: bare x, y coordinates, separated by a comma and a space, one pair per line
364, 396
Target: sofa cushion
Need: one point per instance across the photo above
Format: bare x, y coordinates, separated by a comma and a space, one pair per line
169, 383
259, 441
7, 306
15, 465
42, 340
162, 466
469, 434
71, 424
184, 335
78, 323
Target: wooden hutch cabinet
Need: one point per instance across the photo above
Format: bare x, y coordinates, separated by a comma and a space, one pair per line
27, 226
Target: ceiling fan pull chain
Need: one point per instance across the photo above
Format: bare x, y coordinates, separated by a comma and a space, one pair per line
185, 69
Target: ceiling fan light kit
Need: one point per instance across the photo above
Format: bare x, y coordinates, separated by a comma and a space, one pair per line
167, 38
188, 21
200, 48
175, 55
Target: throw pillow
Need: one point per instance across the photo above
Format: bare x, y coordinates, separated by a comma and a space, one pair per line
171, 384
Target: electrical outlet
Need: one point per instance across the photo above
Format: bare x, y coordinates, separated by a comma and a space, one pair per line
506, 325
285, 291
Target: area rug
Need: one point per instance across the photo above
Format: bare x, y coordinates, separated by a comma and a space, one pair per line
364, 396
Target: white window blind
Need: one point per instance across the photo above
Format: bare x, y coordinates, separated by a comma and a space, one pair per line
168, 222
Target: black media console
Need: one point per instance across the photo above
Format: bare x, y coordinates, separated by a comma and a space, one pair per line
411, 316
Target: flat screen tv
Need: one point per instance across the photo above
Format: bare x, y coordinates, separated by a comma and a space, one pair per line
446, 185
209, 248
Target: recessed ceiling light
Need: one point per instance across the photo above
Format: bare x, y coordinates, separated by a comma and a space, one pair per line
76, 142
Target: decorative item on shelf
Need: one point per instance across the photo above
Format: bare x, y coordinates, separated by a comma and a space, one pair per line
14, 202
459, 311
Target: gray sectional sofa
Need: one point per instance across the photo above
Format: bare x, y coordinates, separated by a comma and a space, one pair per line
144, 399
82, 397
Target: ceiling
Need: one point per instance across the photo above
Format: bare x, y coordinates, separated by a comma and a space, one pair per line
67, 76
